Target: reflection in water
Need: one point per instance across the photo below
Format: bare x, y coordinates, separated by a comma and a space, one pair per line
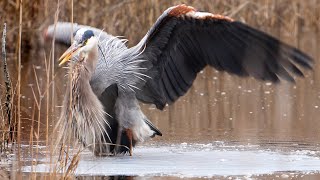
227, 108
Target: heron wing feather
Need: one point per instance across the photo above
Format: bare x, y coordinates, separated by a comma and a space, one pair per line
183, 41
63, 31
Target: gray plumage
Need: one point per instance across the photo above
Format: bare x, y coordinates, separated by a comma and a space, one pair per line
83, 113
164, 64
121, 63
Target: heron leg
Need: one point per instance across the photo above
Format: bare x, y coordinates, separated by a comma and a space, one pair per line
129, 134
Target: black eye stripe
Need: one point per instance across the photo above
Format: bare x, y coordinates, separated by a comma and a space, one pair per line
87, 35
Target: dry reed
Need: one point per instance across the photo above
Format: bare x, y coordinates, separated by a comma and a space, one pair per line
7, 115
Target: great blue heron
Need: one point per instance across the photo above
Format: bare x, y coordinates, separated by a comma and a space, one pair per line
161, 68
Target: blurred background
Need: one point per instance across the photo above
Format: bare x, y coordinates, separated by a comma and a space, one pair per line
219, 107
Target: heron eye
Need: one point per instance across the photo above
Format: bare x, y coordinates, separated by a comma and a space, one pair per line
85, 42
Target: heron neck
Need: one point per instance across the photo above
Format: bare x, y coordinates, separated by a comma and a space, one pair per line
84, 109
81, 90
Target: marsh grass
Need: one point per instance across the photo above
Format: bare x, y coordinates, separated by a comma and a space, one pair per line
6, 126
6, 110
290, 20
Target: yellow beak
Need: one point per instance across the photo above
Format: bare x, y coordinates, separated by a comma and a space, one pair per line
66, 56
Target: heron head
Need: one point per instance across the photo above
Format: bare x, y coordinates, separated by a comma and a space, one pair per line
84, 44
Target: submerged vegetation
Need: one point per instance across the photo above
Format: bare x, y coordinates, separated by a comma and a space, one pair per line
32, 85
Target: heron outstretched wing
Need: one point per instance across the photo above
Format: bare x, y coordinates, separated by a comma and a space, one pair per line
183, 41
64, 31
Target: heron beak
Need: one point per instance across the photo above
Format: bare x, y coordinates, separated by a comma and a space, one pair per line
66, 56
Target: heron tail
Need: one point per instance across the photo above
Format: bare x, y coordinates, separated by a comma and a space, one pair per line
153, 127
